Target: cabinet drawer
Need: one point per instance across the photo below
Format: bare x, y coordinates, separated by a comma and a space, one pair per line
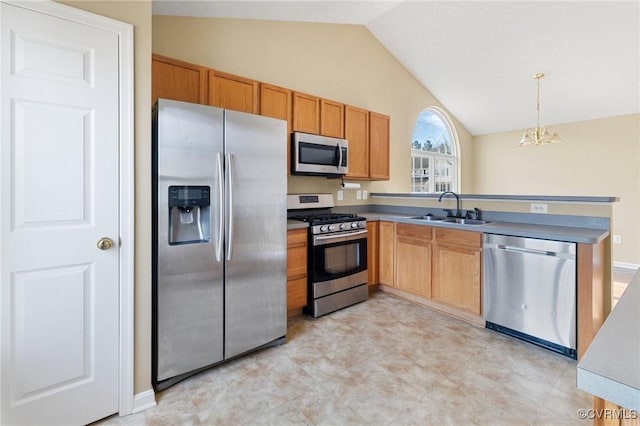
296, 293
413, 231
458, 237
297, 236
296, 262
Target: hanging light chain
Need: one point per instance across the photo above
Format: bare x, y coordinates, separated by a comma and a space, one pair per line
540, 135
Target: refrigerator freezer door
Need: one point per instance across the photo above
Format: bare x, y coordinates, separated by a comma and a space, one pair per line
256, 276
188, 286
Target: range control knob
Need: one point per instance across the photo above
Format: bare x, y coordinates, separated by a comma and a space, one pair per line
332, 227
362, 225
354, 224
342, 226
323, 228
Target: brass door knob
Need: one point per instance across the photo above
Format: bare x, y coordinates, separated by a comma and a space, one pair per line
105, 243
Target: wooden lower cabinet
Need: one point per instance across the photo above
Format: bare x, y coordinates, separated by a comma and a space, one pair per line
386, 259
457, 277
442, 266
296, 270
457, 266
413, 259
372, 252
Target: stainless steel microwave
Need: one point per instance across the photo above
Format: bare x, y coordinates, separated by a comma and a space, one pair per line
318, 155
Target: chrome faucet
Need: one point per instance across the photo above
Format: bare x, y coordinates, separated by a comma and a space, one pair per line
457, 201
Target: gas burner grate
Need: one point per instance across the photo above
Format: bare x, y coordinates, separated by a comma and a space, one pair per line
326, 217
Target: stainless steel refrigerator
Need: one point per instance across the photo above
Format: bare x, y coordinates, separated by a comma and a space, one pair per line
219, 236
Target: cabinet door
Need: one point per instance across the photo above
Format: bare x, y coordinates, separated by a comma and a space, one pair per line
413, 259
386, 252
233, 92
276, 102
306, 113
331, 119
456, 279
177, 80
378, 146
356, 131
296, 269
372, 252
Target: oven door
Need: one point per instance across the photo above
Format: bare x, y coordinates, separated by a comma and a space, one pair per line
338, 256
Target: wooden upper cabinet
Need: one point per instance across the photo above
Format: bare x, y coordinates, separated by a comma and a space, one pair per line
378, 146
331, 119
356, 131
306, 113
233, 92
177, 80
276, 102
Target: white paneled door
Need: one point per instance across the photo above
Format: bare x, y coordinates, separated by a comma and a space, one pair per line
59, 218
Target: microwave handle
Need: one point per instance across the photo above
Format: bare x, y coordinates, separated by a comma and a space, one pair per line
339, 148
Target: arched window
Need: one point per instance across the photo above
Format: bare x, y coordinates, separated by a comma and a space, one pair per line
434, 154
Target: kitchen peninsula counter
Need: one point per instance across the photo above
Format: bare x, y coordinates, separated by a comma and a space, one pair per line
610, 368
547, 232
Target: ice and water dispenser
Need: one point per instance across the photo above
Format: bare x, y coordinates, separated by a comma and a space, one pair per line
189, 214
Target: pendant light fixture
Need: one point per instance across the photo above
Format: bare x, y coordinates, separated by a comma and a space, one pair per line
540, 135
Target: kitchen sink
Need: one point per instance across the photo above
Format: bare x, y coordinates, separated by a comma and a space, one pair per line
465, 221
430, 218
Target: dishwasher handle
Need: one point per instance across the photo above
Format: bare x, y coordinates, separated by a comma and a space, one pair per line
523, 250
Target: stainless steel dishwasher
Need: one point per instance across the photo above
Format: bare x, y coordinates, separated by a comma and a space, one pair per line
529, 290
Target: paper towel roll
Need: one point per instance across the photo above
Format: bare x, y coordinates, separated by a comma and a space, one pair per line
350, 185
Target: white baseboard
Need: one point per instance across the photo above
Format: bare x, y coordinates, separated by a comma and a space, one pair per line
624, 265
144, 400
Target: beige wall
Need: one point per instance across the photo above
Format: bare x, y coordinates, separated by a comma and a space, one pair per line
339, 62
138, 13
597, 157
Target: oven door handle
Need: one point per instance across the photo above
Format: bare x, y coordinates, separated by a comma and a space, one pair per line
341, 236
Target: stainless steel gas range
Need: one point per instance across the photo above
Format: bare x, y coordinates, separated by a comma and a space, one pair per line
337, 259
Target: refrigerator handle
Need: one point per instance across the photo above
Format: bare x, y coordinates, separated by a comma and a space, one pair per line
229, 171
220, 209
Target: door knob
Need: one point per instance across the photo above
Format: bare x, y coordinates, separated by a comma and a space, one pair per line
105, 243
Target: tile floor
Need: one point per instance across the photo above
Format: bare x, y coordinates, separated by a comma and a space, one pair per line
621, 279
386, 361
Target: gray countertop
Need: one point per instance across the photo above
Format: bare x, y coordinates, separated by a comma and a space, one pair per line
296, 224
547, 232
610, 369
520, 197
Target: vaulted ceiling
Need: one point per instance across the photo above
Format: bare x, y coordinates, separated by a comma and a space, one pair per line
479, 57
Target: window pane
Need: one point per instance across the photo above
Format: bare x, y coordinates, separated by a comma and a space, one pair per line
433, 154
420, 173
444, 173
431, 134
